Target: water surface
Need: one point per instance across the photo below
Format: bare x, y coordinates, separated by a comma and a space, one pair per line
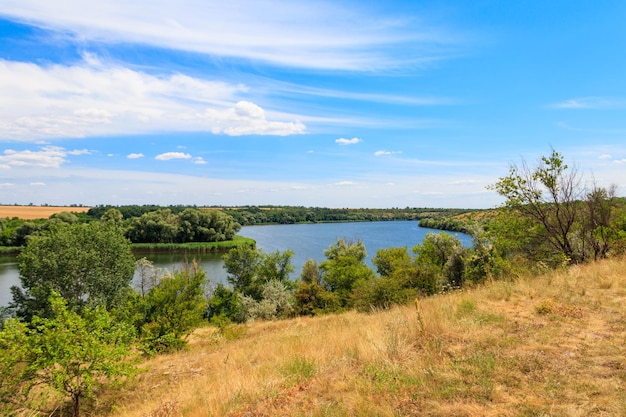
308, 241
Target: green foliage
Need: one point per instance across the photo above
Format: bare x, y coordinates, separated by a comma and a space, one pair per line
299, 369
113, 216
311, 299
559, 222
249, 269
65, 217
250, 215
392, 261
440, 258
190, 225
484, 261
380, 293
241, 265
87, 264
344, 267
275, 302
225, 305
159, 226
173, 308
66, 352
311, 272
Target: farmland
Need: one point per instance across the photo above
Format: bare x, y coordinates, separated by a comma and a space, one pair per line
36, 212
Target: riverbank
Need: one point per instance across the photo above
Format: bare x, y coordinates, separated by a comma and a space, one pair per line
193, 247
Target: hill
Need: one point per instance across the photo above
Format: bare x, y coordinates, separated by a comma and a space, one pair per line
532, 346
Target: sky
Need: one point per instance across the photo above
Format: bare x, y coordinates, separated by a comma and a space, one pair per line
311, 103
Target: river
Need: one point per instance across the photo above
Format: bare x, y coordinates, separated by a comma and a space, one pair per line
308, 241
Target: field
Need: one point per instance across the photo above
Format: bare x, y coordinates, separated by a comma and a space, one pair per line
549, 345
36, 212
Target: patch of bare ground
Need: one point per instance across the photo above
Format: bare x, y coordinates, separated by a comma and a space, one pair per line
552, 345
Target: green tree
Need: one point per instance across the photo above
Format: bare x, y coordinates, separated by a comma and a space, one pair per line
276, 301
391, 261
249, 269
224, 305
241, 265
564, 222
380, 293
65, 217
160, 226
311, 272
174, 307
311, 299
87, 264
440, 258
113, 216
67, 352
343, 267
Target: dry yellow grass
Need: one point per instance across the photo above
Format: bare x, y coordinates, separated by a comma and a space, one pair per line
545, 346
36, 212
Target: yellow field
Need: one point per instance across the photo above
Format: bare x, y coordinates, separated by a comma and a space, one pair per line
36, 212
550, 345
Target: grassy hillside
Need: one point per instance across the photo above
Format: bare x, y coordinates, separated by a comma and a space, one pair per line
552, 345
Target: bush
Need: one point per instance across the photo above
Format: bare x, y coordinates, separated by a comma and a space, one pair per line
312, 299
380, 293
174, 307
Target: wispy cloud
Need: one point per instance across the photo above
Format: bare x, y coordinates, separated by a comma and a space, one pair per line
135, 155
199, 161
323, 34
45, 157
384, 153
77, 152
299, 90
344, 141
167, 156
58, 101
591, 103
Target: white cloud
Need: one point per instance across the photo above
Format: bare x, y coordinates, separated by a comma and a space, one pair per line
57, 101
246, 118
344, 183
322, 34
37, 184
172, 155
199, 161
383, 153
46, 157
134, 155
344, 141
77, 152
6, 185
605, 156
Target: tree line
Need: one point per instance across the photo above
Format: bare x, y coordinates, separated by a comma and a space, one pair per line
160, 225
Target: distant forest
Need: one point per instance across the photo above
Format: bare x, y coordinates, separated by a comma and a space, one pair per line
257, 215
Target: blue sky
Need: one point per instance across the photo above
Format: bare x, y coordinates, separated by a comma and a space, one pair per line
313, 103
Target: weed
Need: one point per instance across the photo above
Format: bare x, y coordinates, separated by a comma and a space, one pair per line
299, 369
466, 307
